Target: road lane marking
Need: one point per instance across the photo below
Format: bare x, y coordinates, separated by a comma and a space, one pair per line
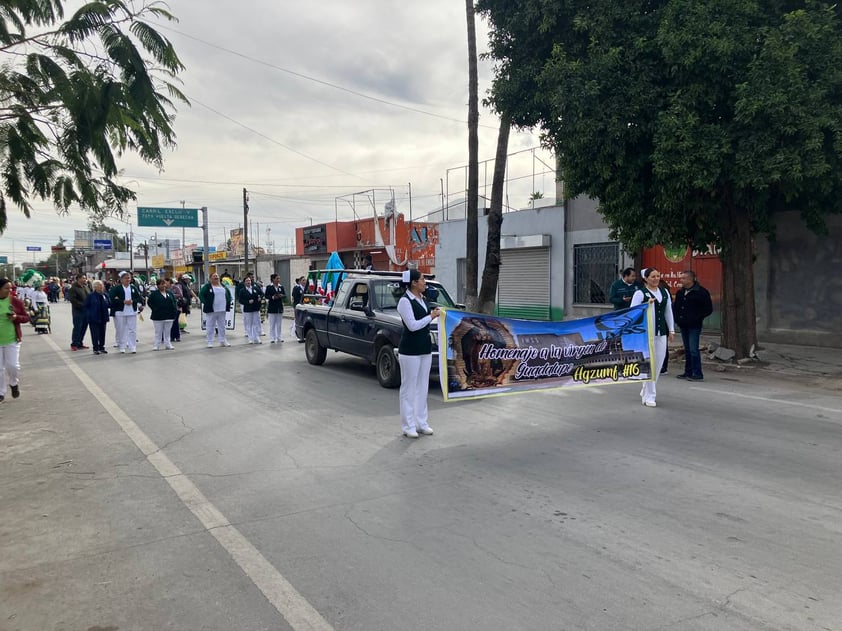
294, 608
757, 398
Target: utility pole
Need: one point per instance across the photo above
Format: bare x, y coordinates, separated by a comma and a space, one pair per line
245, 230
184, 258
205, 256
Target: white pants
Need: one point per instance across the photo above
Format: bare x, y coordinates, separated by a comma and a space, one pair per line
415, 382
276, 324
9, 365
648, 391
162, 333
251, 323
215, 322
126, 330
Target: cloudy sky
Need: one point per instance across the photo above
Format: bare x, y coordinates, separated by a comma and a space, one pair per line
264, 117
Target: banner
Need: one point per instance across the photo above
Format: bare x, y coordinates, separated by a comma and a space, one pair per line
482, 356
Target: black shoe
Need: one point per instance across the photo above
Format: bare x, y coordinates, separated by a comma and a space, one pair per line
96, 352
681, 376
2, 398
691, 378
15, 391
103, 351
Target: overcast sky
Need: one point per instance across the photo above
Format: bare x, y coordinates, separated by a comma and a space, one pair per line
297, 144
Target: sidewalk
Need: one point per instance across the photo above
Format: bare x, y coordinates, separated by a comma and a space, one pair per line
819, 365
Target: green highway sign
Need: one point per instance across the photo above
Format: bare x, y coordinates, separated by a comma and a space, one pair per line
168, 217
4, 260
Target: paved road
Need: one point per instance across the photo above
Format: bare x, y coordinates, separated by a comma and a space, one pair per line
277, 495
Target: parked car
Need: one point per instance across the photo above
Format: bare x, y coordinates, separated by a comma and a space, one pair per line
363, 321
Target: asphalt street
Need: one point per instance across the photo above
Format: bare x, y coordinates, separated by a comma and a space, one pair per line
241, 488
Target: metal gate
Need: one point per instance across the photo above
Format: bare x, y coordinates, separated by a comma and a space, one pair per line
523, 290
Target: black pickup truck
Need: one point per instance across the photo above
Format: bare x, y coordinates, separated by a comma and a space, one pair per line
363, 321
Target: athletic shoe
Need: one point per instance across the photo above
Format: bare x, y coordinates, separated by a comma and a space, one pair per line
154, 348
411, 434
650, 404
96, 352
210, 345
271, 341
15, 391
226, 343
170, 347
427, 431
103, 351
122, 351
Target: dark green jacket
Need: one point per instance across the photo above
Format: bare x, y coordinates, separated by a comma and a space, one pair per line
206, 298
275, 297
162, 305
619, 290
250, 301
118, 295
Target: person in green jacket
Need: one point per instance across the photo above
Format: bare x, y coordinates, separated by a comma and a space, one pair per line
622, 289
216, 301
164, 308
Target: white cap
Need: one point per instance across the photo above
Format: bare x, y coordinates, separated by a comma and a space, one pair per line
121, 274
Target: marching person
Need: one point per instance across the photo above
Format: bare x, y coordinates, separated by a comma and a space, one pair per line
76, 295
97, 308
13, 315
175, 289
127, 303
187, 294
415, 354
275, 294
249, 296
659, 300
692, 305
297, 296
164, 311
216, 302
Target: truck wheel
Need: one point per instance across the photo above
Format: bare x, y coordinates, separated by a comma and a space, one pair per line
315, 352
388, 368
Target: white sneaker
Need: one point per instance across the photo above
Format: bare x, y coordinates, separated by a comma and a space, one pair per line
123, 351
170, 347
650, 404
427, 431
154, 348
259, 342
251, 342
411, 434
226, 343
210, 345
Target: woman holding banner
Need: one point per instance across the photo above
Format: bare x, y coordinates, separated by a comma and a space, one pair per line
415, 354
659, 300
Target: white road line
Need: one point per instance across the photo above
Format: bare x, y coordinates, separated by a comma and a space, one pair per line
756, 398
299, 613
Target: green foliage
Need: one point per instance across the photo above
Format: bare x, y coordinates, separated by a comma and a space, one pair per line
75, 95
677, 114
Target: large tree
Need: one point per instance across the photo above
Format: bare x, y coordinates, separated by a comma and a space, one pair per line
75, 94
692, 121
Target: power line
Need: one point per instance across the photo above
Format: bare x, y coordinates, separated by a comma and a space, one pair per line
319, 81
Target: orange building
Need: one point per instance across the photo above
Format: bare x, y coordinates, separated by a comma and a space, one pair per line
415, 242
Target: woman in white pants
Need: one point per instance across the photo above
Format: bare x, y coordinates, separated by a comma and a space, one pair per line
659, 300
275, 294
216, 301
250, 297
126, 302
12, 315
164, 311
415, 355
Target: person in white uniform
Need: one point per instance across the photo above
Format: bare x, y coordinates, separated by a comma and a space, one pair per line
275, 295
659, 299
126, 302
415, 354
216, 301
250, 297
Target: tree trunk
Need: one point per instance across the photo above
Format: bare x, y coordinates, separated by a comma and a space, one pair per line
472, 201
739, 323
491, 273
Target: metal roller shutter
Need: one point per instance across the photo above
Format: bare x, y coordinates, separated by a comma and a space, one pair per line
523, 290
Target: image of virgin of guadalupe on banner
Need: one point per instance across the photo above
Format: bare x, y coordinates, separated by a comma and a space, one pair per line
488, 356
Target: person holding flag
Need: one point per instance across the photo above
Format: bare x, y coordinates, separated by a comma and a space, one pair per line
659, 300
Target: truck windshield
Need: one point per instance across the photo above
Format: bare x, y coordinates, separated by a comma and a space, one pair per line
388, 293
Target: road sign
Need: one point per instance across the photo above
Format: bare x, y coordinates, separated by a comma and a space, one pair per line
158, 260
4, 260
168, 217
33, 248
103, 244
217, 256
58, 248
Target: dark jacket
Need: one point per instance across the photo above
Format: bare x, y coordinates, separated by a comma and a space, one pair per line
206, 298
250, 301
77, 296
275, 298
162, 305
619, 290
692, 306
118, 295
297, 295
97, 307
